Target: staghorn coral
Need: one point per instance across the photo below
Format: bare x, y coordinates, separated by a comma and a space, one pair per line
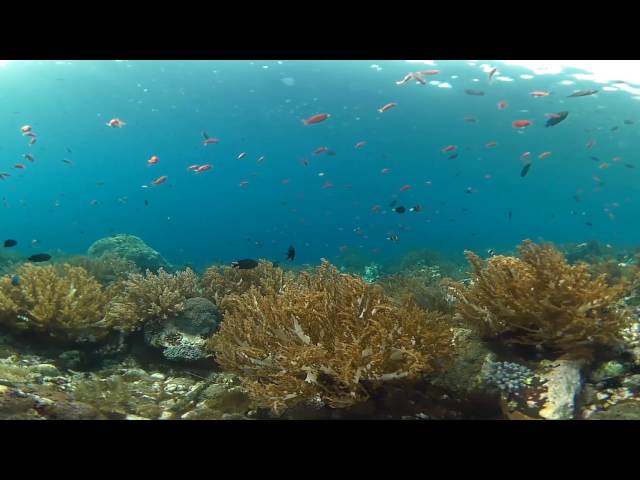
66, 305
540, 299
220, 281
423, 286
107, 268
142, 298
326, 338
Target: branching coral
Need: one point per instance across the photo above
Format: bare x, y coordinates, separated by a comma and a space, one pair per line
328, 338
540, 299
106, 269
424, 286
141, 298
220, 281
66, 305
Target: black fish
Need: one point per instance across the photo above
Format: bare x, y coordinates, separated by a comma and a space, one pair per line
583, 93
400, 209
39, 257
525, 170
475, 93
629, 122
291, 253
393, 203
10, 243
492, 73
246, 264
560, 116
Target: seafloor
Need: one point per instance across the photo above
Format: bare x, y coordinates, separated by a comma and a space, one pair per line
540, 332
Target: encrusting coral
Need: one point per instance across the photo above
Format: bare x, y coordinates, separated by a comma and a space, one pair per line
220, 281
540, 299
141, 298
66, 305
326, 338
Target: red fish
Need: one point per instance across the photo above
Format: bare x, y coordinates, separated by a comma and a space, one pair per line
241, 156
540, 94
203, 168
404, 188
153, 160
502, 105
491, 145
160, 180
449, 148
360, 144
544, 155
26, 128
386, 107
525, 156
115, 123
320, 117
193, 167
210, 141
429, 72
20, 166
320, 150
520, 123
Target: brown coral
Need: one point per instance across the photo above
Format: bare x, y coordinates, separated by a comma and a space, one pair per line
540, 299
328, 338
422, 286
151, 296
107, 268
220, 281
65, 305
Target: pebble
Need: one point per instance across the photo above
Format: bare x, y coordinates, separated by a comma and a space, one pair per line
158, 376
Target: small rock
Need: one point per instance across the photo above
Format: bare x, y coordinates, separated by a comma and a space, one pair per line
157, 376
47, 370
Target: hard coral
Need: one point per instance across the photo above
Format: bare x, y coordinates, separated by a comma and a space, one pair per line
142, 298
327, 338
539, 299
65, 305
107, 268
424, 286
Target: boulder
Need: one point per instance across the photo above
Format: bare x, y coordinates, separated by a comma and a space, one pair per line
130, 248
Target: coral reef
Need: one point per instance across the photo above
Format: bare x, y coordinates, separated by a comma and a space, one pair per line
326, 339
65, 306
130, 248
539, 299
220, 281
424, 286
107, 268
142, 298
183, 338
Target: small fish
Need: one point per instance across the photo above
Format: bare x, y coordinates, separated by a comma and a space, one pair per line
3, 175
492, 73
33, 141
588, 224
474, 93
115, 123
400, 209
386, 107
376, 209
243, 183
470, 120
604, 165
193, 167
392, 237
629, 122
449, 148
540, 94
407, 78
360, 145
10, 243
590, 144
404, 188
491, 145
15, 280
26, 129
384, 171
69, 150
595, 159
525, 156
291, 253
393, 203
525, 170
203, 168
146, 203
39, 257
502, 104
452, 156
469, 190
583, 93
320, 117
629, 165
544, 155
520, 123
160, 180
241, 156
320, 150
556, 119
491, 252
67, 161
429, 72
20, 166
30, 134
28, 156
416, 209
510, 215
260, 159
614, 129
245, 264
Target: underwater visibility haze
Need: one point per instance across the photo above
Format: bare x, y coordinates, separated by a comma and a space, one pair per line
152, 209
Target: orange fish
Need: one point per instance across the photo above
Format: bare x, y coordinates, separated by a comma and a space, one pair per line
115, 123
540, 94
26, 129
520, 123
320, 117
153, 160
502, 105
160, 180
544, 155
386, 107
491, 145
203, 168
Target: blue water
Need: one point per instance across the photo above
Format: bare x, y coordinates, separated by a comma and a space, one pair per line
258, 108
